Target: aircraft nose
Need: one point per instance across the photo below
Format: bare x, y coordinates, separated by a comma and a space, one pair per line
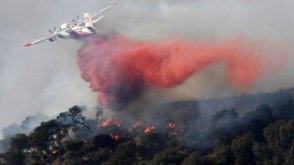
28, 45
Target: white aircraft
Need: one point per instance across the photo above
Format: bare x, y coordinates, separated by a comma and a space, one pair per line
77, 29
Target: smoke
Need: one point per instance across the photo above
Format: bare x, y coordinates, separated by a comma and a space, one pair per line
26, 126
45, 78
121, 68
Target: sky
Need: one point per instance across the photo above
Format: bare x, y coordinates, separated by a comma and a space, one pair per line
45, 79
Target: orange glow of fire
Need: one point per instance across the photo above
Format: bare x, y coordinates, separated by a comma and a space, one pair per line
109, 122
138, 124
115, 137
171, 125
149, 129
55, 152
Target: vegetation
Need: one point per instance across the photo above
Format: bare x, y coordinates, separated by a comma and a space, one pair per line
264, 136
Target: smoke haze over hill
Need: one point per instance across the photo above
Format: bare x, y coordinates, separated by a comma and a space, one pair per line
45, 78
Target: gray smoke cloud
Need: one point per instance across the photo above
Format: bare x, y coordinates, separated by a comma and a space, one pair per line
45, 78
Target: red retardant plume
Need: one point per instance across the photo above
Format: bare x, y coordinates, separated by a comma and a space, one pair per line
120, 68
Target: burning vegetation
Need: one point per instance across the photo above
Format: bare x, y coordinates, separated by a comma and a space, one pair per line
150, 129
109, 122
173, 135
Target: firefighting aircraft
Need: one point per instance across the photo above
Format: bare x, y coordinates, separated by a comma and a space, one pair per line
77, 29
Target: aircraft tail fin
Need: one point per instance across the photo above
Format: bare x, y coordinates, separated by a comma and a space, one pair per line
88, 20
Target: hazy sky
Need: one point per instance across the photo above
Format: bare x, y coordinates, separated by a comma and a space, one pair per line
45, 78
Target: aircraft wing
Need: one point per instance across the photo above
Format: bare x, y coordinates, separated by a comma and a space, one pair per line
51, 36
97, 16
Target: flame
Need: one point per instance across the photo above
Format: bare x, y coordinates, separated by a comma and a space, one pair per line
54, 152
109, 122
171, 125
149, 129
138, 124
115, 137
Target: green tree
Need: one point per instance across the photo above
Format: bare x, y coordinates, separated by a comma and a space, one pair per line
76, 114
44, 138
263, 154
47, 134
242, 148
13, 157
290, 155
223, 155
170, 156
103, 141
280, 135
96, 157
36, 158
125, 153
74, 151
73, 145
194, 158
19, 142
15, 154
150, 144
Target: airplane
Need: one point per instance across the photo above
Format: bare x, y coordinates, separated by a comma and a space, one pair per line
77, 29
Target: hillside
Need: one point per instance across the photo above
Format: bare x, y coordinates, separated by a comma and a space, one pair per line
248, 129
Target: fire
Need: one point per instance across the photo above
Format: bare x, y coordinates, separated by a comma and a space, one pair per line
138, 124
115, 137
54, 152
109, 122
171, 125
149, 129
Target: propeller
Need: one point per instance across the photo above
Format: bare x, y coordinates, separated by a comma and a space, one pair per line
53, 39
74, 21
53, 30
